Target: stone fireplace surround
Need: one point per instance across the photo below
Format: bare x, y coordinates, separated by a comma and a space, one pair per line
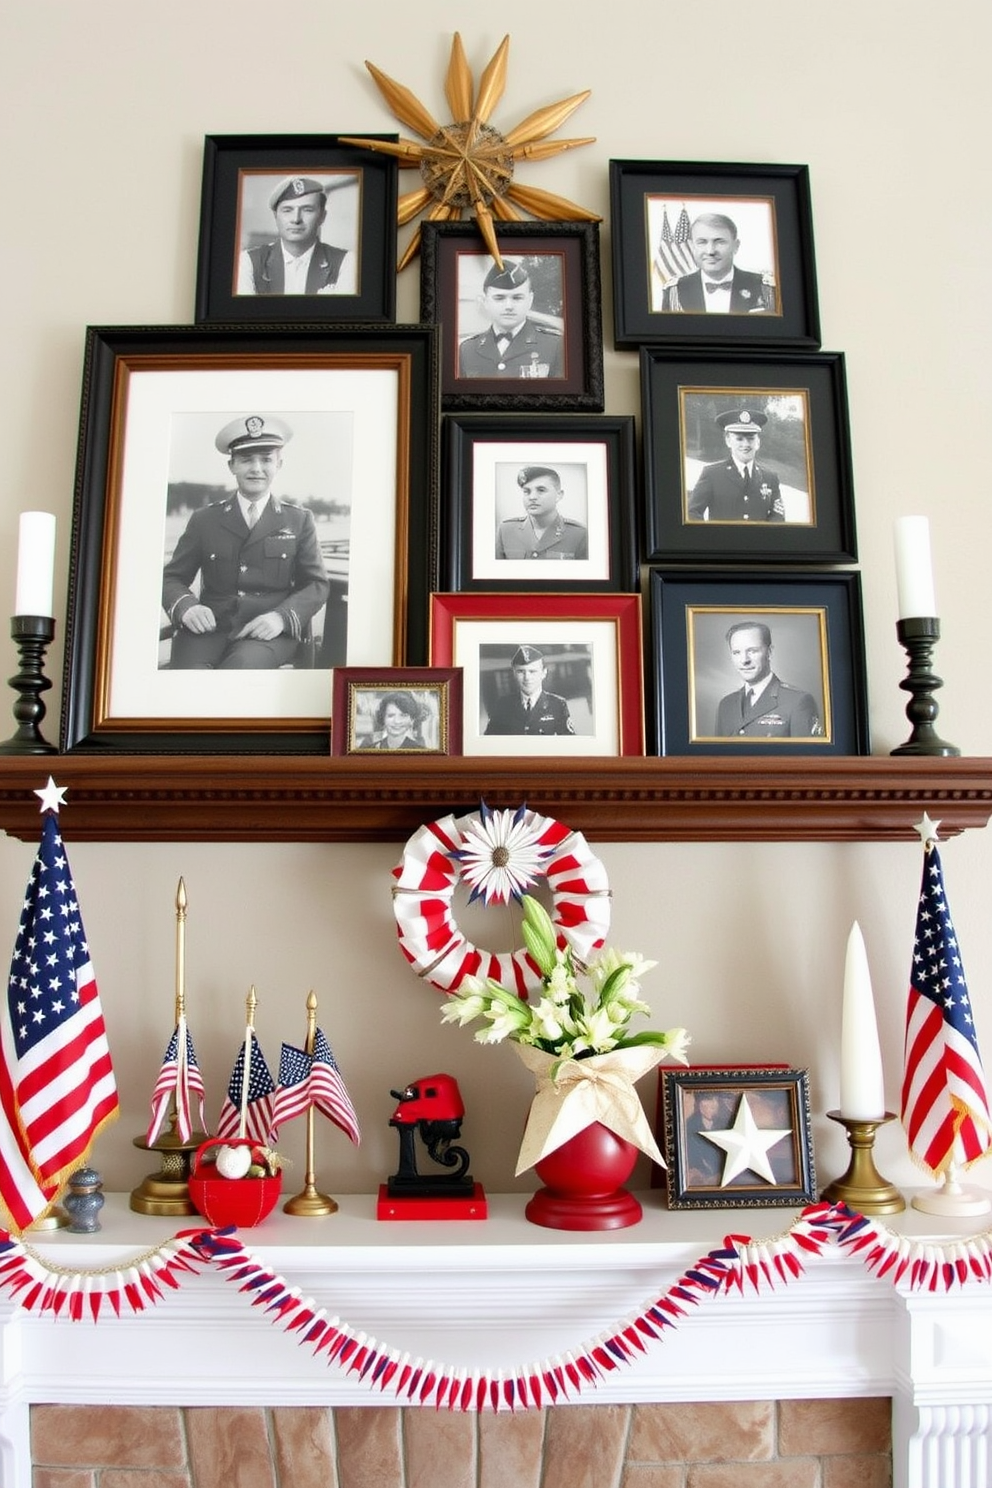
502, 1293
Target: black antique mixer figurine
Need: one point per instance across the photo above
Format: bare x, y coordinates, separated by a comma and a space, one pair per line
433, 1109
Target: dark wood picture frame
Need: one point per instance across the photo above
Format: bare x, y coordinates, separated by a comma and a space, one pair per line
560, 368
429, 698
750, 1100
240, 174
774, 301
591, 547
138, 384
803, 457
817, 644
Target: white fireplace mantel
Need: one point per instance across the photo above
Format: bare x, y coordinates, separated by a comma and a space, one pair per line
500, 1294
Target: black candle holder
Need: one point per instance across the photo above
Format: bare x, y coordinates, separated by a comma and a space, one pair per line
919, 636
33, 634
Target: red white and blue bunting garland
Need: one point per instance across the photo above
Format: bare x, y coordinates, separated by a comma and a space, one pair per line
740, 1263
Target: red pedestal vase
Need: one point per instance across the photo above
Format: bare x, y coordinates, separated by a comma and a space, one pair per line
584, 1180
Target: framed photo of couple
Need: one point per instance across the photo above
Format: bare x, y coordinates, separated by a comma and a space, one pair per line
713, 253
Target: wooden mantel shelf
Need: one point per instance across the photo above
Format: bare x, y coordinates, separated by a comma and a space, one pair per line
315, 798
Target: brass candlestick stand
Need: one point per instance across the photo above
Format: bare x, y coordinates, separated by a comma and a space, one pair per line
308, 1203
862, 1187
919, 636
33, 634
167, 1191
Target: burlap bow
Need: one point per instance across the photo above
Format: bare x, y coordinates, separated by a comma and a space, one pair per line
581, 1091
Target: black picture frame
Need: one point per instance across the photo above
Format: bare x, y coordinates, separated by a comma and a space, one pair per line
753, 1099
564, 324
817, 637
138, 385
775, 300
804, 451
483, 457
240, 172
431, 698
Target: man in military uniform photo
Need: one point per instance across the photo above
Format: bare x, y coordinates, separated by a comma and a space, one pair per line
262, 576
765, 707
738, 489
542, 532
513, 345
297, 262
529, 709
718, 287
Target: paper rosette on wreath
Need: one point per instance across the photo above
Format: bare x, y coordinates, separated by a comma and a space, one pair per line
573, 1093
497, 855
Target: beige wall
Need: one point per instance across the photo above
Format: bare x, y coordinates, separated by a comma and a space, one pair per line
106, 107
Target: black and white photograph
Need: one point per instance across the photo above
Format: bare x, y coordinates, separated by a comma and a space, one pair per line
535, 502
747, 456
511, 316
757, 662
399, 710
297, 228
712, 256
538, 690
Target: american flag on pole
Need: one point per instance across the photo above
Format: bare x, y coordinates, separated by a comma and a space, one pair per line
259, 1125
314, 1080
672, 256
180, 1077
57, 1087
945, 1108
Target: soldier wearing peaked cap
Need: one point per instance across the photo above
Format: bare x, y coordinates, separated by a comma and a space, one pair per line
738, 489
513, 346
529, 709
542, 532
297, 262
261, 574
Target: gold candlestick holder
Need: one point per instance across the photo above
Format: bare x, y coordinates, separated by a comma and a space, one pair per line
862, 1187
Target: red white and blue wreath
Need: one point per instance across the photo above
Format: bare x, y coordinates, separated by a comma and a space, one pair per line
498, 855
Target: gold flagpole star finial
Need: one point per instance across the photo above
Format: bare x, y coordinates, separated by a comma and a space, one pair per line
52, 796
468, 165
927, 829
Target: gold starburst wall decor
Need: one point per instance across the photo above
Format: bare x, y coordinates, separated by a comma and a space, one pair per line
468, 165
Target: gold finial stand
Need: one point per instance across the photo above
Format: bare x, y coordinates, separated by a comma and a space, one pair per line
862, 1187
308, 1203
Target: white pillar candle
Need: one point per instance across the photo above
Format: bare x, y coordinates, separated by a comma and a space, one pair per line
862, 1090
914, 569
35, 564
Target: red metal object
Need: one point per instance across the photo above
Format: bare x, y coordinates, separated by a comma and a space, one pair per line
432, 1098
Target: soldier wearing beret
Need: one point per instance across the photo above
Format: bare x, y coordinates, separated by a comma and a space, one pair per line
718, 287
542, 532
530, 710
262, 577
297, 262
738, 489
513, 346
765, 707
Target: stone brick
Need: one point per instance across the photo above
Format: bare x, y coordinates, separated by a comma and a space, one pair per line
584, 1445
798, 1472
69, 1477
125, 1477
650, 1475
440, 1449
229, 1447
107, 1435
369, 1451
857, 1472
510, 1449
726, 1431
825, 1427
303, 1442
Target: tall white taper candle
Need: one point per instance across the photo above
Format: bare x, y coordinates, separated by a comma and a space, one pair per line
914, 569
862, 1090
35, 564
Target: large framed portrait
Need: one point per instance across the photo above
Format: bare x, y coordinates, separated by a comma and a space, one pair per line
747, 456
296, 227
544, 674
250, 513
737, 1138
521, 335
538, 502
714, 253
397, 711
758, 663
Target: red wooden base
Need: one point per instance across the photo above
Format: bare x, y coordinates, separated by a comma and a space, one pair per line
557, 1211
444, 1208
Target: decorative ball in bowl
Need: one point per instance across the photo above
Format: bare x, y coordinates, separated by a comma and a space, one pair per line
234, 1181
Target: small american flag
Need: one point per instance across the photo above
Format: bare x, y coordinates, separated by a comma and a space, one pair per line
945, 1107
259, 1124
293, 1095
180, 1077
314, 1080
57, 1087
673, 257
